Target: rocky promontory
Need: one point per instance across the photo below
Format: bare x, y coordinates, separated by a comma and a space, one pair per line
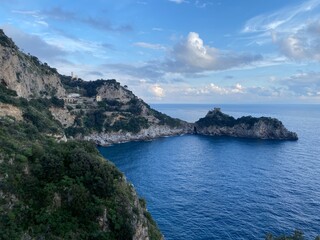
216, 123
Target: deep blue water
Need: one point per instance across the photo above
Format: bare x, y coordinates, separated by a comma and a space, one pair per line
200, 187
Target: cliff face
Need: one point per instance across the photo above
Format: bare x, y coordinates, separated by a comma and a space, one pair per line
216, 123
113, 91
25, 74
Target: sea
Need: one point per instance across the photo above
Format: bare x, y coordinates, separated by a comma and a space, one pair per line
202, 187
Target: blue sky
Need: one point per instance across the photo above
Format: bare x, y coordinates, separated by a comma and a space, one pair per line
179, 51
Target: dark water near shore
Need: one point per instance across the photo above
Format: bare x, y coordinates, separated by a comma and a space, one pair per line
200, 187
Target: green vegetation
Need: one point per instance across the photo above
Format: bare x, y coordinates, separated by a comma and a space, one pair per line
5, 41
165, 119
217, 118
109, 116
131, 124
85, 88
297, 235
94, 120
37, 64
52, 190
6, 95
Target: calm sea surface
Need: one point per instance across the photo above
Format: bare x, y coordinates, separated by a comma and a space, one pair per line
200, 187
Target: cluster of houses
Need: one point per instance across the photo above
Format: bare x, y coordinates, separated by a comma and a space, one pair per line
73, 98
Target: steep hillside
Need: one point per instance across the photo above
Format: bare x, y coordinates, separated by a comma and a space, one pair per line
25, 73
106, 112
52, 189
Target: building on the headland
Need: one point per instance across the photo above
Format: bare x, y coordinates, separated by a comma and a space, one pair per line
98, 98
72, 98
217, 109
74, 77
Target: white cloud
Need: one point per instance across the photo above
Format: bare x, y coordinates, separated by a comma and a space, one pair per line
189, 58
157, 91
238, 88
303, 44
193, 56
214, 89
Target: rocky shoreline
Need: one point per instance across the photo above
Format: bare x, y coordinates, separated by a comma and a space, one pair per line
215, 123
151, 133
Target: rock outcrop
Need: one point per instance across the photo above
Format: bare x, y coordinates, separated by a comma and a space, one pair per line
113, 91
10, 110
63, 116
216, 123
25, 73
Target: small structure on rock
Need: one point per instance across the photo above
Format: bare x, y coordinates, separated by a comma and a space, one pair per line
98, 98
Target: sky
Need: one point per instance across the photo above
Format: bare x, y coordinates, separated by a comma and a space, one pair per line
178, 51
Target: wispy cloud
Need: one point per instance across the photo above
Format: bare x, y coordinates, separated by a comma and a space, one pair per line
294, 30
151, 71
303, 84
196, 3
157, 29
202, 4
287, 19
149, 45
34, 44
30, 12
60, 14
301, 45
178, 1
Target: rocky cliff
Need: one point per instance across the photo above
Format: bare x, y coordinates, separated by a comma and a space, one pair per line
216, 123
25, 73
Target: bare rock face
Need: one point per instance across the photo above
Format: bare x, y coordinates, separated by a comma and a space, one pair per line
26, 74
10, 110
112, 90
216, 123
63, 116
